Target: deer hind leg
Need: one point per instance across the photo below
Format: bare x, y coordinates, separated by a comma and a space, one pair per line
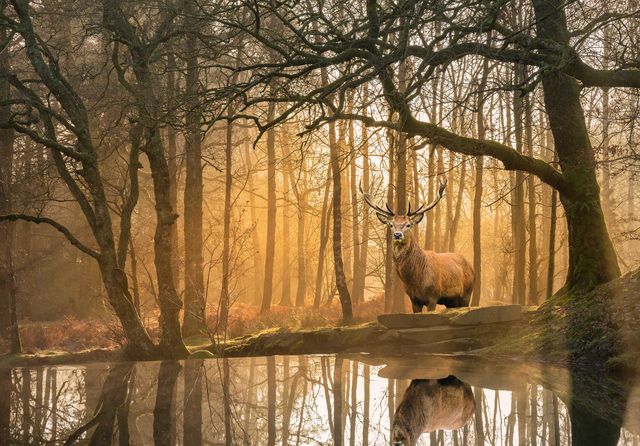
416, 305
453, 302
431, 305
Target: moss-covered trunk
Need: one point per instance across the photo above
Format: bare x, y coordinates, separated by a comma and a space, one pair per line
592, 258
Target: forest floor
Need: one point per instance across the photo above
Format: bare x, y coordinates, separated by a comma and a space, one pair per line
600, 329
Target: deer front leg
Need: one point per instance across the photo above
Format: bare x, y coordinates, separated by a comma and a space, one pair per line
431, 304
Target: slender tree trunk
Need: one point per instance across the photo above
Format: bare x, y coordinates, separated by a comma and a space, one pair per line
478, 189
453, 225
267, 289
8, 307
389, 273
359, 287
324, 237
257, 247
301, 197
194, 295
552, 243
341, 280
228, 184
358, 274
518, 211
531, 189
438, 239
429, 226
400, 208
285, 299
607, 207
172, 155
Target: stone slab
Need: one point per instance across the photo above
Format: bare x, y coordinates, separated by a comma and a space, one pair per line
489, 315
403, 320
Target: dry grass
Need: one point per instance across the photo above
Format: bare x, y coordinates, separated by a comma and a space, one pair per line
244, 319
68, 334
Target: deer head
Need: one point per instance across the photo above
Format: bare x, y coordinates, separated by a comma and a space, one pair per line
401, 225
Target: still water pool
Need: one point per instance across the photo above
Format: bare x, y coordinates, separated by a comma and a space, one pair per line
316, 400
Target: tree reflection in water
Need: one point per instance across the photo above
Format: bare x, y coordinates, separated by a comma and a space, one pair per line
313, 401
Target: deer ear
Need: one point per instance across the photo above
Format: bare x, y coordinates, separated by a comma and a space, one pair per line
383, 218
415, 219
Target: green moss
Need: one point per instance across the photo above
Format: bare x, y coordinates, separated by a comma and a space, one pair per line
59, 357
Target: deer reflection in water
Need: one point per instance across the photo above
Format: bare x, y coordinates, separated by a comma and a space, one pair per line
429, 405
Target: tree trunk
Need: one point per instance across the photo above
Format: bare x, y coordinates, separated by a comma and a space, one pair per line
477, 227
267, 289
400, 208
194, 293
257, 248
478, 189
324, 237
285, 299
453, 225
592, 258
301, 197
389, 274
438, 239
8, 311
359, 285
172, 155
517, 209
341, 281
429, 226
358, 275
223, 311
531, 189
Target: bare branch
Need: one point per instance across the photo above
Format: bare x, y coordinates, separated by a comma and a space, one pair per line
57, 226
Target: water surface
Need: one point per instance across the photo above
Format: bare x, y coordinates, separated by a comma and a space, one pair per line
315, 400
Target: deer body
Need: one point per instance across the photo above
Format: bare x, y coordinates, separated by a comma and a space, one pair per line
429, 278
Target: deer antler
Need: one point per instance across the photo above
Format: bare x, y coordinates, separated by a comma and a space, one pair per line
422, 209
369, 200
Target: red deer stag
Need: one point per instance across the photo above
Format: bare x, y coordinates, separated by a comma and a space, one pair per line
429, 277
429, 405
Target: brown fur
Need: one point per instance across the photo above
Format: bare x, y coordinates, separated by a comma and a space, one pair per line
429, 405
429, 277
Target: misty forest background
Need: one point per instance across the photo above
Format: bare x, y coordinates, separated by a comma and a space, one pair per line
173, 168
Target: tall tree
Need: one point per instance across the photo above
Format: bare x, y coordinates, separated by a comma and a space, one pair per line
89, 191
267, 289
149, 113
194, 296
223, 312
517, 197
8, 306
